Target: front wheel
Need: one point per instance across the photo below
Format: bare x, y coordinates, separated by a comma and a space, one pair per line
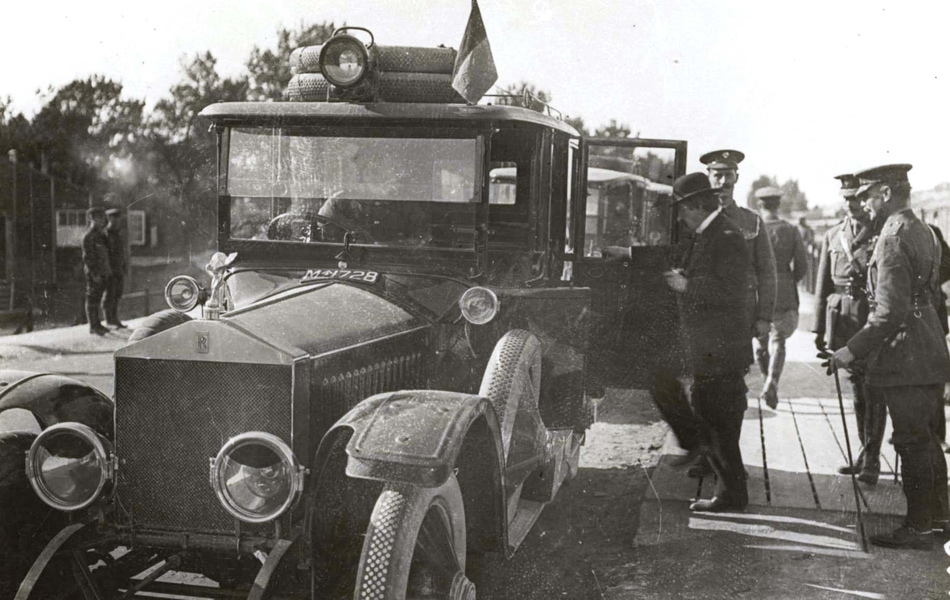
415, 545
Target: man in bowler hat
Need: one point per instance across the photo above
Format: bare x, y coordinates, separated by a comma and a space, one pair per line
904, 351
710, 285
116, 247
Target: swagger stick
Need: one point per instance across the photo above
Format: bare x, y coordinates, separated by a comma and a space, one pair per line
847, 443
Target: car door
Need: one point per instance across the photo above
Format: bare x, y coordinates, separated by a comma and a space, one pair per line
625, 239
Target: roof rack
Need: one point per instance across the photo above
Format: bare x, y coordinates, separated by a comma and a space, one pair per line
527, 98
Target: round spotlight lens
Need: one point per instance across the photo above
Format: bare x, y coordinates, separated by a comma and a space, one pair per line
256, 477
68, 466
182, 293
479, 305
343, 61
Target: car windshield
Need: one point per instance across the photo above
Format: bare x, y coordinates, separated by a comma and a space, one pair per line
307, 186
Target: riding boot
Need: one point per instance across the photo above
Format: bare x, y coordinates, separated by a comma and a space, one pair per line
917, 470
93, 317
875, 418
860, 403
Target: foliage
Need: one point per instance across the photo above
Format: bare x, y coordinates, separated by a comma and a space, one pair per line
268, 71
524, 95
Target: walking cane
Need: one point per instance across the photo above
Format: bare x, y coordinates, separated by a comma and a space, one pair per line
847, 443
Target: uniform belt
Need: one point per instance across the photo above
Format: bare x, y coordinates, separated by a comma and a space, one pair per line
851, 290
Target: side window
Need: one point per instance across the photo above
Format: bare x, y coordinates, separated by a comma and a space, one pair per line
625, 188
510, 191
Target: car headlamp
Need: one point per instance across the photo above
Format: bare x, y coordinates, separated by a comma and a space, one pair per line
344, 60
479, 305
69, 465
182, 293
256, 477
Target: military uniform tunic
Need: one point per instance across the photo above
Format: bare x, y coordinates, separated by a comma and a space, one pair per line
791, 262
761, 278
841, 289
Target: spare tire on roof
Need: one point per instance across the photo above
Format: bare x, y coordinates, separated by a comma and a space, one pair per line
392, 59
393, 87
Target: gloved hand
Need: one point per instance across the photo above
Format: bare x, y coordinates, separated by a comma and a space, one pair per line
827, 360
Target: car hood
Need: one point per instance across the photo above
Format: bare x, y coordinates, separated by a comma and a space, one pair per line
309, 321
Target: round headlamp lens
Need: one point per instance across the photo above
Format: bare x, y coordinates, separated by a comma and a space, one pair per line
343, 61
255, 477
182, 293
67, 466
479, 305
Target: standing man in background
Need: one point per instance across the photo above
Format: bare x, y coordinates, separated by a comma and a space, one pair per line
842, 310
96, 268
723, 169
791, 264
116, 246
903, 348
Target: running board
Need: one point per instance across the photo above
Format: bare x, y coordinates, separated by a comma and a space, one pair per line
528, 513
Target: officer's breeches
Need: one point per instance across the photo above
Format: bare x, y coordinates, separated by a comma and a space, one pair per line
94, 291
923, 467
871, 415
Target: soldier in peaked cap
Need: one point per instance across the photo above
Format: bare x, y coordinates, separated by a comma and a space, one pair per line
723, 170
710, 285
95, 260
842, 310
116, 245
904, 351
791, 263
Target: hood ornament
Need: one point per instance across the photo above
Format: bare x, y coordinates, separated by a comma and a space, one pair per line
217, 268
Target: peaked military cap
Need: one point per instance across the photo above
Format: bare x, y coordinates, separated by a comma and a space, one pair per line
768, 192
849, 185
113, 211
95, 210
689, 186
896, 173
722, 159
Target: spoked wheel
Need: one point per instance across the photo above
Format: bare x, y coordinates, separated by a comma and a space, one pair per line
415, 546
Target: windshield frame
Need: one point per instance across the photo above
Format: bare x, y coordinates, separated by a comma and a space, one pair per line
271, 251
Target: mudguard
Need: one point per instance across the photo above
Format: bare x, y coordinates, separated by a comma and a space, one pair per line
56, 399
414, 436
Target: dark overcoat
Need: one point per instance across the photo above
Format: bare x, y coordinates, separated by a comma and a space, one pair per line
714, 308
902, 342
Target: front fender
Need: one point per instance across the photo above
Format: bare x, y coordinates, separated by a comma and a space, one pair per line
414, 436
56, 399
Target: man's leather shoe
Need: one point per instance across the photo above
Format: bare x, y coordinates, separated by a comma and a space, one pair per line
868, 477
100, 330
904, 538
118, 325
770, 397
681, 460
718, 504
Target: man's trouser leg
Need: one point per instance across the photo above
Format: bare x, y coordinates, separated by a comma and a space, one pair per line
670, 399
941, 500
112, 295
94, 291
875, 419
720, 402
784, 325
922, 464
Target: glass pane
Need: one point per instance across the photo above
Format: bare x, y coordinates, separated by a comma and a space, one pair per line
626, 191
301, 187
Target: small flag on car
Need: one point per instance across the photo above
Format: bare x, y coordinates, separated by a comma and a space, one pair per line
474, 72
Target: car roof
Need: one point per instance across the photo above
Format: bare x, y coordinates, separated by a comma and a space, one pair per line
343, 112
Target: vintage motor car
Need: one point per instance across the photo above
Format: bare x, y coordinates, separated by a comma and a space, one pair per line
388, 375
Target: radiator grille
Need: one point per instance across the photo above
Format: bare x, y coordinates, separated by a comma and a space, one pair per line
171, 416
340, 388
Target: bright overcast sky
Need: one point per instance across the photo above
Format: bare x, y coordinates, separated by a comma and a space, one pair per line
806, 89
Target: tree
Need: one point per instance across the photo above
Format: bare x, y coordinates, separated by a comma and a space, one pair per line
613, 130
524, 95
269, 71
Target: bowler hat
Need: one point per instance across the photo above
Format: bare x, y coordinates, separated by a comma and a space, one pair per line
722, 159
690, 185
896, 173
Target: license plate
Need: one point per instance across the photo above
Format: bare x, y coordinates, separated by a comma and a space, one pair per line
344, 274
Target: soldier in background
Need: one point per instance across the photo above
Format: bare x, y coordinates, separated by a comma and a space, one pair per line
117, 263
791, 264
904, 351
842, 310
96, 268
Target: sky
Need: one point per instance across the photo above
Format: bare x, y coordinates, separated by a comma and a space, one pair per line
806, 89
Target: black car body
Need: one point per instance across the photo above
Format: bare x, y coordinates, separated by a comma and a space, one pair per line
392, 369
